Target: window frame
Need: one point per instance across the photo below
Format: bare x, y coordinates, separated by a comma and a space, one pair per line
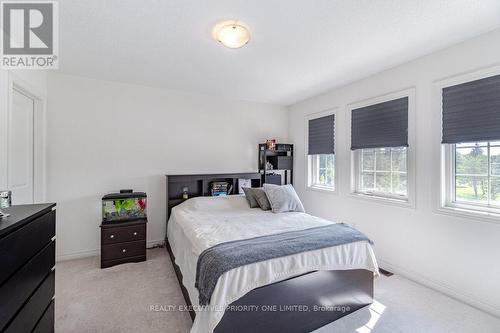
444, 155
309, 186
386, 198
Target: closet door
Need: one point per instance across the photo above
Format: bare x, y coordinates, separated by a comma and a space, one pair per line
20, 149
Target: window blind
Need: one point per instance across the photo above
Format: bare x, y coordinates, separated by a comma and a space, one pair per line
471, 111
322, 135
380, 125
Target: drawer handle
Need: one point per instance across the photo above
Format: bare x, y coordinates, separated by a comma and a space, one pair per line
135, 233
111, 236
124, 250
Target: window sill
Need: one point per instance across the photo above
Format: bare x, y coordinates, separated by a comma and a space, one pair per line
464, 212
323, 189
405, 203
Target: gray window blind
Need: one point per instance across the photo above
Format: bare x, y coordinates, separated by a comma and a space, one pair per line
471, 111
380, 125
322, 135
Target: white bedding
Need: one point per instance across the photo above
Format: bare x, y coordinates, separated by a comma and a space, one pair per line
203, 222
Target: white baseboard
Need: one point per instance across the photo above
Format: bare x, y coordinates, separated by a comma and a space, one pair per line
77, 255
441, 287
96, 252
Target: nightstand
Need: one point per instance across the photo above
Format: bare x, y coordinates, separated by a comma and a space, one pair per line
123, 242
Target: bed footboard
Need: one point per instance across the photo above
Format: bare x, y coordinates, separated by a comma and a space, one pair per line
281, 306
300, 304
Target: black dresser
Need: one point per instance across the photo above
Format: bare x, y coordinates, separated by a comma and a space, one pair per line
27, 274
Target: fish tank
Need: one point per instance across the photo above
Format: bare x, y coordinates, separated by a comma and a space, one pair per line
124, 206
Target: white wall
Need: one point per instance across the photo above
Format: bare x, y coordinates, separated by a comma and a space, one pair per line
104, 136
460, 256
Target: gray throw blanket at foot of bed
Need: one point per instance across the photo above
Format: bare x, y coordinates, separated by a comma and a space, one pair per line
215, 261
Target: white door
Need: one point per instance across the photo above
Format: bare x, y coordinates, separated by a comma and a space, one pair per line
20, 149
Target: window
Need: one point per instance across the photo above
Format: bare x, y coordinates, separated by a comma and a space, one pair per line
383, 171
380, 149
322, 169
321, 152
471, 141
475, 176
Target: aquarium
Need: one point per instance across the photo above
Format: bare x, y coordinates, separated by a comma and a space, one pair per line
124, 206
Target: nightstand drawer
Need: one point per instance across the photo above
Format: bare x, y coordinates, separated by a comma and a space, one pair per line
123, 250
109, 263
123, 234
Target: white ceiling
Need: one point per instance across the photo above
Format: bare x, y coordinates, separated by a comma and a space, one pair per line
299, 48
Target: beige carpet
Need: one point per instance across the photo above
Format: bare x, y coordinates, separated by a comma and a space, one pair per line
119, 299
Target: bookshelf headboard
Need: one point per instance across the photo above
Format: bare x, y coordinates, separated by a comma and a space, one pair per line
199, 185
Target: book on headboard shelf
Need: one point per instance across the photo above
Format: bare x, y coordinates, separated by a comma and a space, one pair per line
221, 189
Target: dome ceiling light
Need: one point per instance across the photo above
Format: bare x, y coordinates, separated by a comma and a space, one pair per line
231, 34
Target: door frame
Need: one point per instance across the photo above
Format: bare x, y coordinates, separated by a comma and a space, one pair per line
9, 81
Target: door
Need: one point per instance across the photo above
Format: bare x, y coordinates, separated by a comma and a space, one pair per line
20, 149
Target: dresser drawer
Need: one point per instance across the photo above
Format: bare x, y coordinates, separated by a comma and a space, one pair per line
19, 246
46, 323
15, 291
29, 315
123, 250
123, 234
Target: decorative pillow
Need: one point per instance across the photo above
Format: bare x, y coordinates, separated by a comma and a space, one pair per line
249, 195
283, 198
261, 198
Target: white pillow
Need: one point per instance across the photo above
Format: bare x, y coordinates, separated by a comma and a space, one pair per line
283, 198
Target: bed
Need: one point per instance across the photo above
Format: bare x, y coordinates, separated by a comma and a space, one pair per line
296, 293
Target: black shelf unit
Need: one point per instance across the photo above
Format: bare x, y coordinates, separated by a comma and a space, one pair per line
282, 160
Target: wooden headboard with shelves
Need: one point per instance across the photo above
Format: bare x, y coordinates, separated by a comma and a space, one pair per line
199, 185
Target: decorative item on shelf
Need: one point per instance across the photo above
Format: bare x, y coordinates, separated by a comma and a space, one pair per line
271, 144
185, 194
5, 199
124, 206
284, 147
242, 182
269, 166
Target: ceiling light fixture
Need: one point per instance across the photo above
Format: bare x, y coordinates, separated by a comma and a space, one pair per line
231, 34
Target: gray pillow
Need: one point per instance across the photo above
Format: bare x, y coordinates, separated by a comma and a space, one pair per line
261, 198
249, 195
283, 198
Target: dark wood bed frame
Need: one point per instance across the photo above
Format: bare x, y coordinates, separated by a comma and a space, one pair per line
299, 304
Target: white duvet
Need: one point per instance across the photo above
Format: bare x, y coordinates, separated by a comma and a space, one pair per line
203, 222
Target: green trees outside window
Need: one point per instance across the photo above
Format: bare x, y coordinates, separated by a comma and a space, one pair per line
477, 173
322, 170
